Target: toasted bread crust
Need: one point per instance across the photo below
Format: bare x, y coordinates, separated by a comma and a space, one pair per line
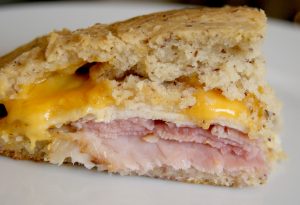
229, 22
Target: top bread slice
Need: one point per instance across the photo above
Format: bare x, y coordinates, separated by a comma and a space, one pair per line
221, 46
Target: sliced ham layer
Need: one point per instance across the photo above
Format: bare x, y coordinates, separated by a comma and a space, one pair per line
141, 144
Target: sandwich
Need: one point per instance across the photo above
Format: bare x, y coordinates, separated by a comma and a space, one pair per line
176, 95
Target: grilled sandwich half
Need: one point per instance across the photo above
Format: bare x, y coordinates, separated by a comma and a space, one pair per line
177, 95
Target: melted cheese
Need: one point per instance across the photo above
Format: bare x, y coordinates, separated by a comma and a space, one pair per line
212, 105
58, 100
66, 98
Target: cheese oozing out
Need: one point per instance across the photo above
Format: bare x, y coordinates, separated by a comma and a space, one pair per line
65, 98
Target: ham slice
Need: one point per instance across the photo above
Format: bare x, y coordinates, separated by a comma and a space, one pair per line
142, 144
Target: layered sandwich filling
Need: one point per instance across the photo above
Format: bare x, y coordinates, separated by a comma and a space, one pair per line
137, 144
184, 126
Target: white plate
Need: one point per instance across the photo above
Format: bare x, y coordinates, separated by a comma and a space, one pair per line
24, 182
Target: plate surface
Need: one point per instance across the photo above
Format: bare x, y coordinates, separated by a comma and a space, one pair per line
24, 182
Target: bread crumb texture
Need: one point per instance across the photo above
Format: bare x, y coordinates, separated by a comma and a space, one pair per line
220, 46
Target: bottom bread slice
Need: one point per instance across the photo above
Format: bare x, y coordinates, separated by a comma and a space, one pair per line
190, 175
150, 148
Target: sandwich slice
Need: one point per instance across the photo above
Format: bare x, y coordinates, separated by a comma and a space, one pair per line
175, 95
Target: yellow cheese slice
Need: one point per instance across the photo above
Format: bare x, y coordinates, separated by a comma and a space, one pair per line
66, 98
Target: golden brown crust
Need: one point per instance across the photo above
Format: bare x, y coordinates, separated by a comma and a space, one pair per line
21, 149
228, 21
20, 155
